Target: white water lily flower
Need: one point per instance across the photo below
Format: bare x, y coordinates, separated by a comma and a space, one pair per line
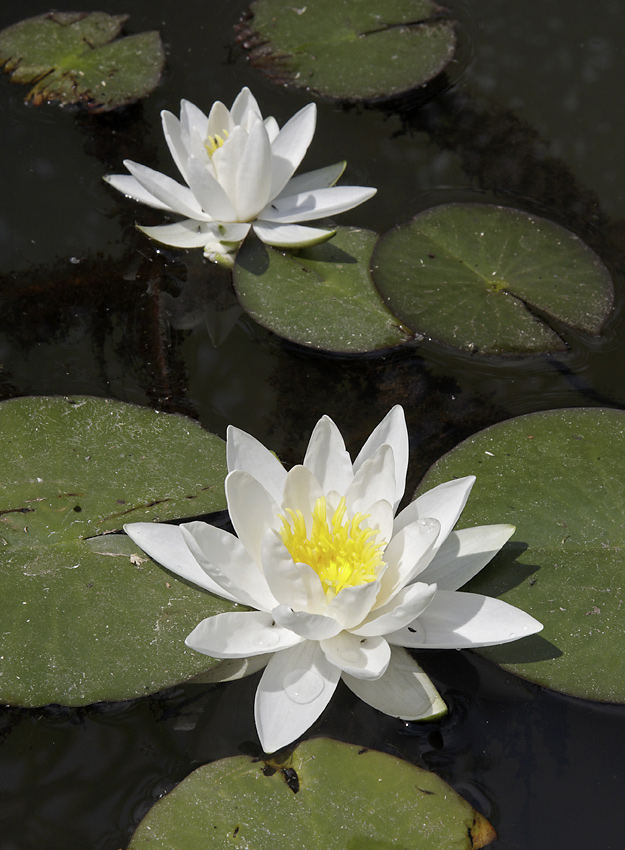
339, 584
238, 169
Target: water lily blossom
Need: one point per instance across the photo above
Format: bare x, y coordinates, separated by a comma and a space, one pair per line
238, 169
339, 584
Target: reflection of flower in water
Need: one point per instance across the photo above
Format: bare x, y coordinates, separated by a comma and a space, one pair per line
239, 174
340, 585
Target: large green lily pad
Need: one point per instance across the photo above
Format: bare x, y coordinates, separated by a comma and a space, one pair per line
86, 616
489, 279
327, 796
352, 50
558, 476
321, 297
71, 57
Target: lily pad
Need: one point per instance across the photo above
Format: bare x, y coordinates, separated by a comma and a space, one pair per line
353, 50
86, 616
71, 57
489, 279
558, 476
327, 796
321, 297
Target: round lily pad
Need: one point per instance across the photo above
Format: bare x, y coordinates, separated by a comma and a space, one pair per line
353, 50
490, 279
71, 57
327, 796
558, 477
321, 297
87, 616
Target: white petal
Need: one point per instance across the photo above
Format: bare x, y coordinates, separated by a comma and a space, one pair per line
295, 688
301, 491
291, 235
193, 119
252, 510
456, 620
177, 141
294, 584
253, 180
404, 691
248, 454
290, 145
318, 203
226, 161
239, 635
231, 669
445, 503
392, 430
381, 517
224, 558
408, 553
373, 481
351, 605
208, 191
363, 657
327, 457
321, 178
131, 188
245, 108
219, 122
309, 626
178, 198
271, 125
181, 234
464, 554
406, 606
165, 545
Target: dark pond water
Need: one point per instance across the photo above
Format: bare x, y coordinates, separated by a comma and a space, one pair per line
532, 117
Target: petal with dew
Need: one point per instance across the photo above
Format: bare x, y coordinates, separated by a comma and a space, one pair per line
464, 554
406, 606
252, 510
291, 235
403, 691
165, 544
291, 583
179, 199
306, 625
445, 503
363, 657
290, 145
456, 620
320, 178
392, 430
223, 557
248, 454
296, 686
131, 188
317, 203
327, 458
239, 635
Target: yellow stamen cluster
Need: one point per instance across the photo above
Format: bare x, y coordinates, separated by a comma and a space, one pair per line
341, 552
214, 142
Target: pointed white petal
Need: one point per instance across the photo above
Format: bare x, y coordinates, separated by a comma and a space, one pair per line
208, 192
321, 178
193, 119
380, 515
131, 188
408, 553
219, 122
165, 544
392, 430
294, 584
363, 657
301, 491
181, 234
290, 145
445, 503
351, 605
245, 108
291, 235
252, 510
406, 606
239, 635
309, 626
404, 691
177, 141
248, 454
178, 198
464, 554
271, 125
374, 480
226, 161
253, 180
456, 620
295, 688
225, 560
318, 203
327, 457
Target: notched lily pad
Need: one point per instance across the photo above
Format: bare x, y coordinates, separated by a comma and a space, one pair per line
86, 616
321, 297
489, 279
352, 50
558, 477
71, 57
327, 796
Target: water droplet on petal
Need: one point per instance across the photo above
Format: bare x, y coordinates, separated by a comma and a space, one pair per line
512, 635
428, 522
303, 686
267, 638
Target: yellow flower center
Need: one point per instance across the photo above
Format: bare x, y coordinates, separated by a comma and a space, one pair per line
341, 552
213, 142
